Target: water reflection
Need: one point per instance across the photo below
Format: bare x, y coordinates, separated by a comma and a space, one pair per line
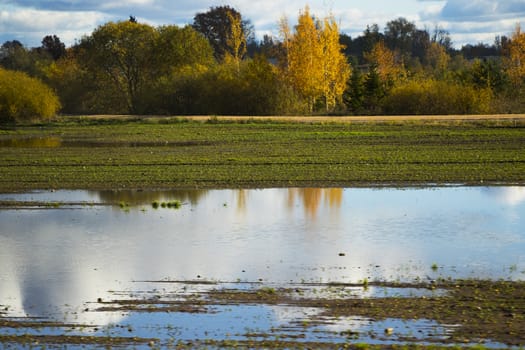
139, 197
312, 198
32, 142
512, 196
56, 257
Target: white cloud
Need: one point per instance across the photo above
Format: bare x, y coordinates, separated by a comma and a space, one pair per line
467, 20
474, 21
31, 25
485, 10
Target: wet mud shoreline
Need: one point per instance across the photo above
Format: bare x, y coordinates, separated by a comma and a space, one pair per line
472, 312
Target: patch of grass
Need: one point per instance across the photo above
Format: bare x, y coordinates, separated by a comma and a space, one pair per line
119, 154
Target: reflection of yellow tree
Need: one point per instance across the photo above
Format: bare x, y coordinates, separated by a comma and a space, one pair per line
311, 198
334, 197
241, 201
38, 142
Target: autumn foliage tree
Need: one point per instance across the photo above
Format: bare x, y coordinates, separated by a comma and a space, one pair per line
336, 70
236, 40
385, 62
314, 62
437, 59
23, 98
304, 66
516, 62
214, 66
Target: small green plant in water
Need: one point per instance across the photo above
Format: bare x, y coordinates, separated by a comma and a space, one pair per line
434, 267
268, 290
124, 206
174, 204
53, 205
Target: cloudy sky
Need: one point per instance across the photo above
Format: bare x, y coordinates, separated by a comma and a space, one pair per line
468, 21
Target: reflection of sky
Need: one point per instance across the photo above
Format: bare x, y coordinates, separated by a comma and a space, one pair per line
53, 257
511, 196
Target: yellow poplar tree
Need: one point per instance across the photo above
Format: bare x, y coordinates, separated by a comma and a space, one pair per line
315, 65
286, 35
516, 68
305, 66
236, 40
336, 68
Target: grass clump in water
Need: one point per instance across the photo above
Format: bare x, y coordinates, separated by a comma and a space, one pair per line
174, 204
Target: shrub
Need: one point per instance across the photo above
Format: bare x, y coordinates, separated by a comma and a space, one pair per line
23, 98
429, 96
253, 88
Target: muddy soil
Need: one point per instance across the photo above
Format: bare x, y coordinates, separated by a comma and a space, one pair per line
477, 312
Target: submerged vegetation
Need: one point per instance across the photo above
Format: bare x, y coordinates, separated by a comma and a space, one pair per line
179, 153
467, 314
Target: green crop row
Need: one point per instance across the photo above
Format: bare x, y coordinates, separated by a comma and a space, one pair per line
76, 153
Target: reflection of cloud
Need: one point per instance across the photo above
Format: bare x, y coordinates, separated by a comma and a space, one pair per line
52, 277
290, 314
50, 258
508, 195
10, 294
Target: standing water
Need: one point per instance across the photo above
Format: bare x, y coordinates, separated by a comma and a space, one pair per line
61, 251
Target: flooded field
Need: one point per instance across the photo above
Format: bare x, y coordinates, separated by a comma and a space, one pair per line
183, 268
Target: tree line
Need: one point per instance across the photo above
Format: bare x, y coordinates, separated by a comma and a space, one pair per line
216, 66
